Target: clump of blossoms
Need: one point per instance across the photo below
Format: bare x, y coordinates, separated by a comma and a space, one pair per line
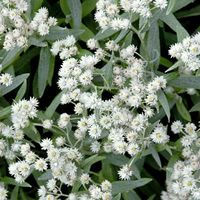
109, 12
16, 25
63, 160
113, 125
22, 111
183, 182
3, 192
187, 52
6, 79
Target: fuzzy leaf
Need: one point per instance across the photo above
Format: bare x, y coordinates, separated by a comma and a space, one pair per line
21, 92
124, 186
183, 110
76, 11
186, 82
11, 181
164, 103
43, 69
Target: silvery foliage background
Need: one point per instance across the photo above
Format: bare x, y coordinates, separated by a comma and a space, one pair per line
35, 72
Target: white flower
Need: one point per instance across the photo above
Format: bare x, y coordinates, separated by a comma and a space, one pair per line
92, 44
25, 149
63, 120
40, 165
160, 4
133, 149
125, 172
42, 191
47, 124
43, 29
190, 128
95, 147
106, 186
177, 127
196, 194
22, 111
95, 192
6, 79
20, 170
46, 144
60, 141
3, 193
159, 134
51, 184
85, 179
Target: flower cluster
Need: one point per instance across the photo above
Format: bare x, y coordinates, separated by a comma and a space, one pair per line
22, 111
6, 79
16, 25
102, 192
115, 120
183, 182
41, 23
3, 192
109, 15
188, 52
73, 72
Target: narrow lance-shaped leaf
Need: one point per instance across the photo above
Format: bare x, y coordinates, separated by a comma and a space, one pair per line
14, 194
88, 6
175, 25
22, 91
124, 186
195, 108
164, 103
11, 181
183, 110
153, 43
5, 112
186, 82
43, 69
181, 4
76, 11
53, 106
155, 155
36, 4
170, 7
10, 57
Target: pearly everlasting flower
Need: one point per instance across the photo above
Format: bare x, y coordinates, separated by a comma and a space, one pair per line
95, 147
63, 120
92, 44
159, 134
182, 183
160, 4
85, 179
177, 127
106, 186
95, 192
51, 184
47, 124
108, 12
40, 165
187, 52
22, 111
6, 79
20, 170
125, 172
3, 193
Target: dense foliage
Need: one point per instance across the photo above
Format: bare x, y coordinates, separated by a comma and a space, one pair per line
99, 99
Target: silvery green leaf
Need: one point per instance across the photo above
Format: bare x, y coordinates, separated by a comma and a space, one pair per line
124, 186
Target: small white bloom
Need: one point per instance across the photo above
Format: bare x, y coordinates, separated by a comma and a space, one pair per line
125, 172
